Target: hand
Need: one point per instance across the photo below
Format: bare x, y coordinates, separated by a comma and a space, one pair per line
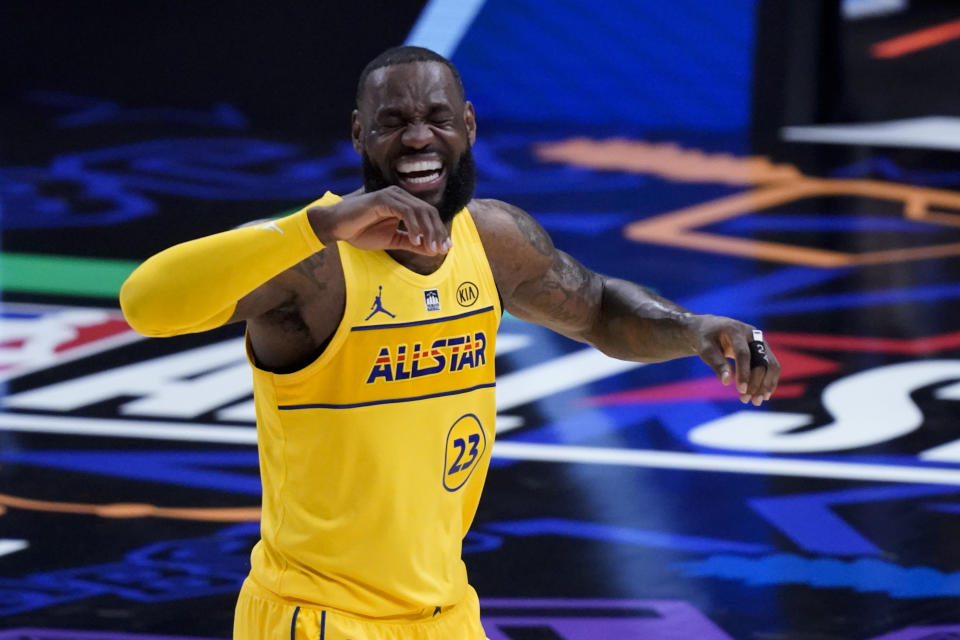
389, 218
719, 338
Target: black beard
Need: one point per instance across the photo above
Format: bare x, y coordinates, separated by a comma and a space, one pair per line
456, 194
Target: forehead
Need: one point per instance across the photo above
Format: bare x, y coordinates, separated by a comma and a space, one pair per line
410, 85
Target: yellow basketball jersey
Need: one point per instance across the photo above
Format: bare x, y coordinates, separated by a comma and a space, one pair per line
373, 457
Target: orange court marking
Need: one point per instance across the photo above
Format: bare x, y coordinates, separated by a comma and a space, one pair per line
773, 185
917, 41
134, 510
667, 160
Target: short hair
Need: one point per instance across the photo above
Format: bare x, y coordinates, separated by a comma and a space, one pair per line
403, 55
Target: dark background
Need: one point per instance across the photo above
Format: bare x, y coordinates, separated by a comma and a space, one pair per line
290, 66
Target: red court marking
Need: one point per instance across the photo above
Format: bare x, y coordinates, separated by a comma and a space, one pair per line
916, 41
686, 391
795, 365
899, 346
110, 327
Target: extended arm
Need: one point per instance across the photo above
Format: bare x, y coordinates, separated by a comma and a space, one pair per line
229, 276
544, 285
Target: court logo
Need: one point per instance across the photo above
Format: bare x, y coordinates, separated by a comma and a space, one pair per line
466, 443
431, 297
467, 294
377, 306
36, 337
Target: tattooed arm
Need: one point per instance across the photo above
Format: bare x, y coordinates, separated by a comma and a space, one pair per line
542, 284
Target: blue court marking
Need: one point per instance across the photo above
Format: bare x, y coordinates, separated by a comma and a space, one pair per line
295, 407
202, 168
863, 299
27, 207
160, 572
809, 520
753, 299
579, 427
755, 296
625, 535
477, 542
685, 47
892, 171
865, 575
591, 223
944, 507
94, 111
398, 325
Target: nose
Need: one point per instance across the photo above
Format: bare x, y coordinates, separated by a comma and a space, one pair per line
417, 135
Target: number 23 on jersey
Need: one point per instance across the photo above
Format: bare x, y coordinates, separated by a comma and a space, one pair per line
466, 444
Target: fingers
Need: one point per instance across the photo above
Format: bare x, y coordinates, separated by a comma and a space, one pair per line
713, 356
741, 355
424, 231
722, 339
757, 378
389, 218
772, 376
755, 386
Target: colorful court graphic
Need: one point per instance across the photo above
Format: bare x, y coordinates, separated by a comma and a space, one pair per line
624, 499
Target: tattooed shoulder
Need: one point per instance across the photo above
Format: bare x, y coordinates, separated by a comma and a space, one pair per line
531, 231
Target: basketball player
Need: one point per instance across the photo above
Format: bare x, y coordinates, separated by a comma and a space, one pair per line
371, 329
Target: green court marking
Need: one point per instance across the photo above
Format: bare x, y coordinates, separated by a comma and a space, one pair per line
63, 275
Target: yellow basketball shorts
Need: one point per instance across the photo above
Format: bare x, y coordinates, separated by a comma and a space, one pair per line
261, 616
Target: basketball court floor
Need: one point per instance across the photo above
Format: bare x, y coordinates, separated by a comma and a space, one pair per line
624, 500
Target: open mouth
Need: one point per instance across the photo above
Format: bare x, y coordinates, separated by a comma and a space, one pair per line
420, 174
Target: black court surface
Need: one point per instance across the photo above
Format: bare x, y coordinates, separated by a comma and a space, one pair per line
655, 142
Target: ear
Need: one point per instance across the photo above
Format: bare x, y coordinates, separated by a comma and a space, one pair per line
356, 132
470, 119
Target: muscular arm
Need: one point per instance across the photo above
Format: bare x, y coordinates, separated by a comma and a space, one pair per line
196, 286
276, 275
541, 284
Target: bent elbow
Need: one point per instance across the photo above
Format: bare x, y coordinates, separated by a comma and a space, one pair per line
136, 302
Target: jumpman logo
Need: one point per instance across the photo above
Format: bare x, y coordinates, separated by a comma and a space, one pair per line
377, 306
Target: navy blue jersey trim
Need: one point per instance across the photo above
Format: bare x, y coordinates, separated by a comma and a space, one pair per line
293, 624
294, 407
419, 322
323, 623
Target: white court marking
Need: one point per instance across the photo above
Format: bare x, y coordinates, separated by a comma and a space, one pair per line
443, 23
755, 465
8, 546
929, 132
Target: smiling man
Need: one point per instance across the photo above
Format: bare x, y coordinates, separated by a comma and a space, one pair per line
371, 329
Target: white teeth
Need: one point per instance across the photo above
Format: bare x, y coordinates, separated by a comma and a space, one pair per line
424, 179
410, 166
